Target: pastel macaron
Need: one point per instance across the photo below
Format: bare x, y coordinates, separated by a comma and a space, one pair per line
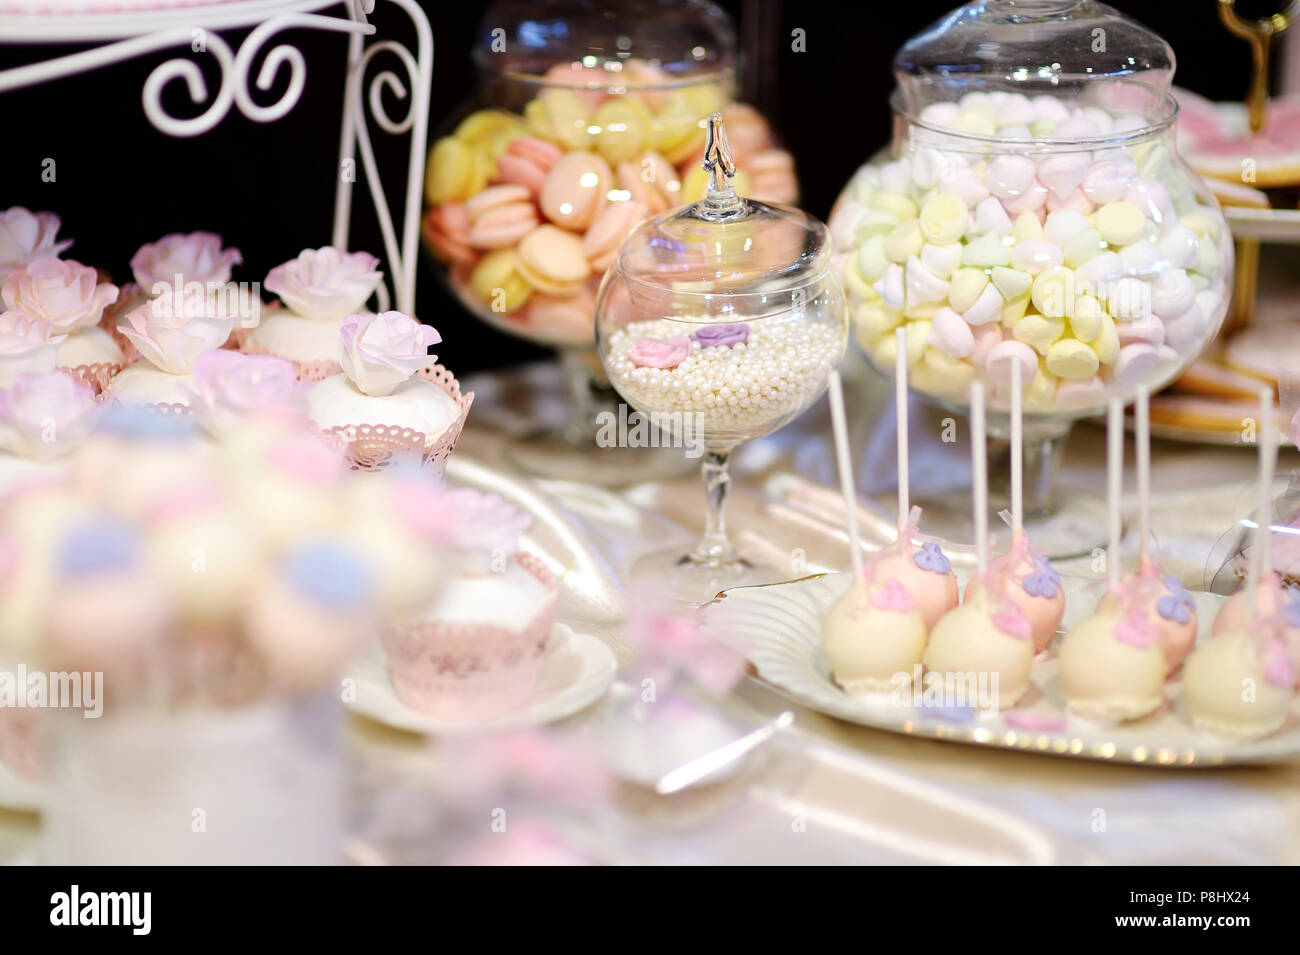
526, 162
447, 229
552, 261
601, 241
500, 216
575, 190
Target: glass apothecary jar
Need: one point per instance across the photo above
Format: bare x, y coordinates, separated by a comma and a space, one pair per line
589, 119
1033, 209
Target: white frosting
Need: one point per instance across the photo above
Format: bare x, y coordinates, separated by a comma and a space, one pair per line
16, 471
143, 384
298, 339
966, 641
89, 346
1105, 678
512, 599
1214, 679
866, 645
417, 404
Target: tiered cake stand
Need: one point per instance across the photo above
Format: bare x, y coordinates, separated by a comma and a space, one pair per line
114, 36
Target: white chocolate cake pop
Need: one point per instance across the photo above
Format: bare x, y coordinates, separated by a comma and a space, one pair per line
1275, 600
1112, 662
873, 632
1241, 682
985, 635
1235, 689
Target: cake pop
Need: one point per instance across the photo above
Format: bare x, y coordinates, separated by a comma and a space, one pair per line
1026, 577
1112, 662
1241, 682
988, 634
925, 571
1164, 600
874, 630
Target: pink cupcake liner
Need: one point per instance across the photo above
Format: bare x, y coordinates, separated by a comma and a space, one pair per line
96, 376
371, 447
469, 671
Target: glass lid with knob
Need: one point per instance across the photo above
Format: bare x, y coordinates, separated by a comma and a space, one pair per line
1079, 51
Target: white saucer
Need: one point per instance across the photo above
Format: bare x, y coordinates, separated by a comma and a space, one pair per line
16, 793
578, 670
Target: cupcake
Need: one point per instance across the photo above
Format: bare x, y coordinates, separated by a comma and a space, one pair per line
27, 344
477, 650
69, 298
392, 399
42, 418
229, 388
319, 289
170, 333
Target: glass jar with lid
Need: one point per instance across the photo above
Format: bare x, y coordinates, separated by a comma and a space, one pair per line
1033, 209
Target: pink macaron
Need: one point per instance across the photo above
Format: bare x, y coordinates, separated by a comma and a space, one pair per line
446, 227
500, 216
608, 230
576, 189
526, 162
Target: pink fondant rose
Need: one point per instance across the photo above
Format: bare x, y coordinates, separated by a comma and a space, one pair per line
25, 236
27, 344
64, 293
172, 331
380, 352
45, 415
229, 385
179, 258
659, 352
325, 283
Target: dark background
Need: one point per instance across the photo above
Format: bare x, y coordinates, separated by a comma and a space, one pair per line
269, 190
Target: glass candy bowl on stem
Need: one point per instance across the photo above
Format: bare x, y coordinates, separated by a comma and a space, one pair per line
719, 322
1034, 209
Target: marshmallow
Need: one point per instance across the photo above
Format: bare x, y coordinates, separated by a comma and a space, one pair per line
1072, 359
991, 217
904, 241
1034, 257
1172, 293
965, 287
1120, 223
921, 285
1038, 331
1086, 318
941, 259
890, 287
1108, 180
1082, 247
1062, 173
1009, 176
1178, 245
944, 219
950, 334
1000, 357
987, 307
871, 258
985, 252
1053, 292
1063, 225
965, 183
1012, 283
986, 336
1135, 363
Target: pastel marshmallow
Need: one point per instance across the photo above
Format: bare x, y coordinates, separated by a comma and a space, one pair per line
1032, 199
904, 241
998, 363
1108, 180
1135, 363
965, 183
1011, 283
986, 251
1028, 228
890, 287
941, 259
1070, 358
1034, 257
990, 216
1139, 257
1149, 329
950, 334
1082, 247
1129, 299
920, 285
987, 307
1039, 332
1120, 223
1062, 173
944, 219
1178, 246
1009, 176
1063, 225
1172, 293
1086, 318
965, 287
1053, 292
985, 337
1081, 394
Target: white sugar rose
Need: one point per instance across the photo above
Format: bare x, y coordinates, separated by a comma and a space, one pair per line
196, 257
172, 331
64, 293
380, 352
27, 344
325, 284
25, 236
46, 414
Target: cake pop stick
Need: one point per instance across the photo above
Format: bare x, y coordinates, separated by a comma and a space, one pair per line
1017, 453
1260, 557
1114, 487
979, 475
839, 428
900, 412
1142, 442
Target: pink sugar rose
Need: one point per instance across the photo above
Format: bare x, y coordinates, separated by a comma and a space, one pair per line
380, 352
659, 352
171, 332
325, 284
196, 257
46, 414
64, 293
484, 522
228, 386
25, 236
27, 344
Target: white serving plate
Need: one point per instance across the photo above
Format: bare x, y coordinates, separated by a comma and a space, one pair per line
778, 627
576, 673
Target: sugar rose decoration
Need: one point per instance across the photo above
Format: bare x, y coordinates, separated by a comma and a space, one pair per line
46, 414
485, 522
25, 236
173, 331
659, 352
179, 258
27, 344
66, 294
722, 336
228, 386
325, 284
380, 352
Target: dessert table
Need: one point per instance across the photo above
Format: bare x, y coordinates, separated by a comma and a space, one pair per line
824, 791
